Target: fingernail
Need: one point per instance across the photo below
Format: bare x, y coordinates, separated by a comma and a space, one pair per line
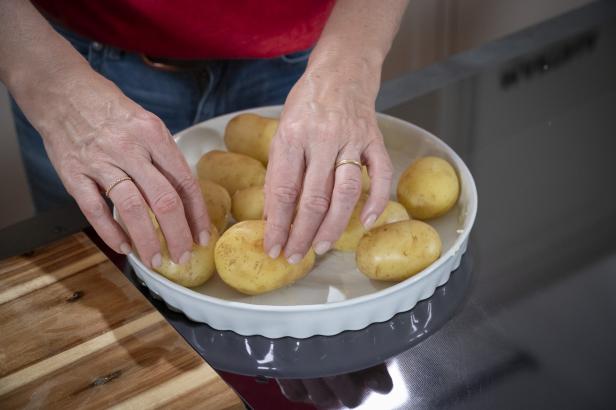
322, 247
204, 238
125, 248
184, 258
294, 259
274, 251
369, 221
157, 260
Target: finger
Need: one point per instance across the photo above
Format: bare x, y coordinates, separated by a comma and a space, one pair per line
346, 192
268, 176
346, 389
286, 169
313, 205
380, 171
172, 164
377, 378
97, 212
318, 393
168, 208
265, 199
293, 389
133, 210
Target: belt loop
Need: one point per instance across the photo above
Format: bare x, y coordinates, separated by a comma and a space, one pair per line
96, 53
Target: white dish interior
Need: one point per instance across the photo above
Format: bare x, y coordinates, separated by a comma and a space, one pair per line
335, 281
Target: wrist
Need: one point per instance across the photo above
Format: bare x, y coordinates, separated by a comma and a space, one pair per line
348, 60
333, 68
61, 98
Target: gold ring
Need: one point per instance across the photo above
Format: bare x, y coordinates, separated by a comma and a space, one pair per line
116, 182
348, 161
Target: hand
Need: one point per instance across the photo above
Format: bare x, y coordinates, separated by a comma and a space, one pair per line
95, 135
329, 116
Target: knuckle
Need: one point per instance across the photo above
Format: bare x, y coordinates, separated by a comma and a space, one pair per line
93, 209
350, 188
289, 128
285, 194
73, 182
151, 120
131, 205
384, 172
289, 135
98, 162
124, 146
166, 202
388, 170
154, 127
187, 185
316, 203
276, 227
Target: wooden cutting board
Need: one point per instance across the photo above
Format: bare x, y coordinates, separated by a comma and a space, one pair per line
75, 333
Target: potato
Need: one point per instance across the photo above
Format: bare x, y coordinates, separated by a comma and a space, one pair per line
355, 229
230, 170
365, 179
428, 188
218, 203
152, 218
242, 263
251, 135
397, 251
248, 204
197, 270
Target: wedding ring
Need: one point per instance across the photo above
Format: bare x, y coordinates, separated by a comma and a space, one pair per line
347, 161
116, 182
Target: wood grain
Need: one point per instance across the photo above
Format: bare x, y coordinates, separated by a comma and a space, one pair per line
75, 333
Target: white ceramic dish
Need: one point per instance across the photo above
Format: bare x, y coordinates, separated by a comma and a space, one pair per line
335, 296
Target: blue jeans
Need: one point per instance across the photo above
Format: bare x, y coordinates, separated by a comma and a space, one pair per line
180, 99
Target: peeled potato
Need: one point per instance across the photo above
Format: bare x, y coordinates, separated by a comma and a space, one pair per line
242, 263
248, 204
251, 135
355, 229
197, 270
428, 188
230, 170
218, 203
397, 251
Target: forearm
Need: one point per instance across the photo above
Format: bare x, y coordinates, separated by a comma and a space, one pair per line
29, 45
356, 39
51, 82
32, 52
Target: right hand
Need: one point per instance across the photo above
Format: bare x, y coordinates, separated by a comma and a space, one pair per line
95, 135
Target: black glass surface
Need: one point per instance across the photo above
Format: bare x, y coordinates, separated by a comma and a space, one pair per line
538, 132
321, 356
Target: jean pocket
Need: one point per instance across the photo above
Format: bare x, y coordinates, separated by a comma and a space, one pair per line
297, 56
81, 44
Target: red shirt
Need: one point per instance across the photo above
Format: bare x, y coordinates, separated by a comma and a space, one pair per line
195, 29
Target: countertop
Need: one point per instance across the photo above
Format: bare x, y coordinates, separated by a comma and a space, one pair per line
75, 333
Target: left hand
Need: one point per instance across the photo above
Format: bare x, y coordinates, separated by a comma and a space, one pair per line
329, 116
